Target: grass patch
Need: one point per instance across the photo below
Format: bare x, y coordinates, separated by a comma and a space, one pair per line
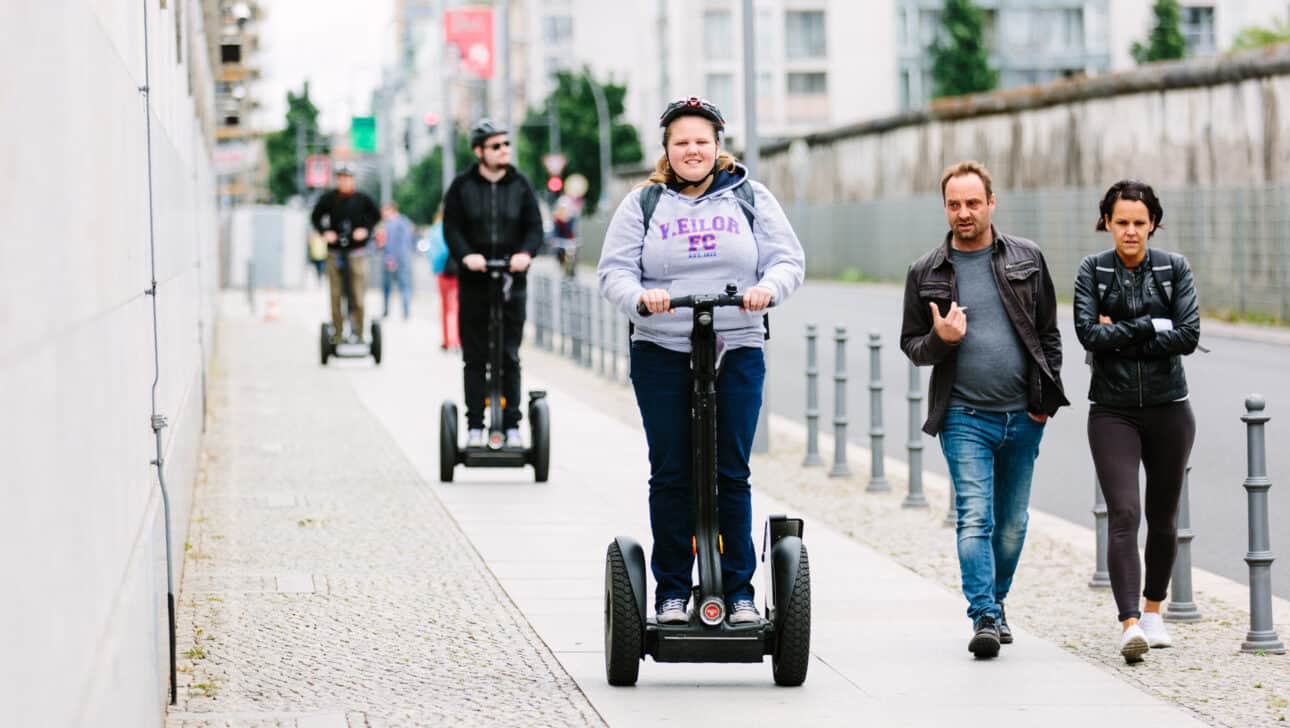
196, 653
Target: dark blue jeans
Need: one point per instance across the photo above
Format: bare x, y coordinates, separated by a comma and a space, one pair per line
991, 458
401, 276
661, 378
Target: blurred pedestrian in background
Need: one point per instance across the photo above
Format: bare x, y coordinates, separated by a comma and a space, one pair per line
399, 240
445, 268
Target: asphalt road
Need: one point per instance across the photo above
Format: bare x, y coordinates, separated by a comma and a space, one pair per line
1064, 483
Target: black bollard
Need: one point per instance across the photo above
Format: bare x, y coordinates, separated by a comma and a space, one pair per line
1262, 637
812, 401
877, 475
916, 498
840, 469
1182, 606
1101, 577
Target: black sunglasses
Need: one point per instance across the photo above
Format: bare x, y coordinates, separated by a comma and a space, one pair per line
498, 145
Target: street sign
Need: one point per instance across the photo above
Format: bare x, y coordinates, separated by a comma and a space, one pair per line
554, 163
362, 133
317, 171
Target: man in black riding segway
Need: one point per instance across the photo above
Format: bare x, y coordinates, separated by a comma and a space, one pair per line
345, 217
490, 212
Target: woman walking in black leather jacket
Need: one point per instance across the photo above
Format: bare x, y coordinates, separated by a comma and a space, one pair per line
1136, 315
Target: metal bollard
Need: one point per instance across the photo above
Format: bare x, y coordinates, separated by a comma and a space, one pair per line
1101, 577
915, 498
563, 315
877, 475
812, 401
535, 301
588, 342
1182, 606
613, 342
840, 469
601, 310
1262, 637
550, 314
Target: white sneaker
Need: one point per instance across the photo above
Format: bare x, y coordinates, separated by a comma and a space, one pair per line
475, 438
514, 438
672, 611
1153, 626
1133, 644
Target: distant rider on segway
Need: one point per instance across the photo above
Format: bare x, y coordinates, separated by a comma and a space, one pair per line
345, 218
490, 212
708, 226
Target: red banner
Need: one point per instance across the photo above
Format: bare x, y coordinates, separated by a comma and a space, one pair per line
317, 171
471, 30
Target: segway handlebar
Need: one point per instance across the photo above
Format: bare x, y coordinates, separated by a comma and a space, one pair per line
501, 264
716, 300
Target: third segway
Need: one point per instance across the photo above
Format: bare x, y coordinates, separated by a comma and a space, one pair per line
784, 633
494, 453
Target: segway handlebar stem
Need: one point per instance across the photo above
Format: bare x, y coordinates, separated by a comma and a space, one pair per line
702, 300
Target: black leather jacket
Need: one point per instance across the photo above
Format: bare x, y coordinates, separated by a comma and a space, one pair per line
495, 219
1133, 364
1026, 290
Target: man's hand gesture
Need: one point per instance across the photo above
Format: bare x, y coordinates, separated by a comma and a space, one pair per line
953, 326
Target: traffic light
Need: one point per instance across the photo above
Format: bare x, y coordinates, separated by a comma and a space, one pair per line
554, 184
431, 119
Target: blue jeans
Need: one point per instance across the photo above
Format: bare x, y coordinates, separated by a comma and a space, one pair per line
661, 378
401, 275
991, 457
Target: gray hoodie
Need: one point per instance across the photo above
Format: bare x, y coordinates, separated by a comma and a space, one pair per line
698, 246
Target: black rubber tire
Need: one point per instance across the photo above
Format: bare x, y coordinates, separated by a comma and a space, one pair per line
376, 341
540, 436
793, 631
324, 344
624, 627
447, 441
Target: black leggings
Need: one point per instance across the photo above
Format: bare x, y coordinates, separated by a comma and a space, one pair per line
1160, 438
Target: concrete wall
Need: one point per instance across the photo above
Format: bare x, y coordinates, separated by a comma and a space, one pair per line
83, 616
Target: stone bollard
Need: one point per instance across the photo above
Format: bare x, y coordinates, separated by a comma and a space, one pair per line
877, 475
1182, 606
840, 469
812, 401
916, 498
1101, 577
1262, 637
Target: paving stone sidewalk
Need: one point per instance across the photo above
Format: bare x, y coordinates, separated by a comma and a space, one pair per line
1204, 672
325, 586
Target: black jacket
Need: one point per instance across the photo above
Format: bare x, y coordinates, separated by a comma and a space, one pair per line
494, 219
1132, 364
1028, 297
344, 214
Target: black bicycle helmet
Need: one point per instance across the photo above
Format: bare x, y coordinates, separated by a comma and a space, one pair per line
483, 129
692, 106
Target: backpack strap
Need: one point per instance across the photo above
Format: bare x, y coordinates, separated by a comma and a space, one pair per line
1104, 274
649, 200
1162, 267
744, 193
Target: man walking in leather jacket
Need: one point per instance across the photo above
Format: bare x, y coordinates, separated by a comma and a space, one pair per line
490, 211
994, 384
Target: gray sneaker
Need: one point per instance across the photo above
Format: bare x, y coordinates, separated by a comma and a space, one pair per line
475, 438
744, 611
672, 611
514, 438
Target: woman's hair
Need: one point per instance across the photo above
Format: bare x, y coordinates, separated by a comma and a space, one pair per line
1134, 191
663, 172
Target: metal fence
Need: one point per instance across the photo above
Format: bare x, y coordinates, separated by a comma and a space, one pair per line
1237, 239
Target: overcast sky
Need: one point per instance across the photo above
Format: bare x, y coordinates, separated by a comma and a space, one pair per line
339, 46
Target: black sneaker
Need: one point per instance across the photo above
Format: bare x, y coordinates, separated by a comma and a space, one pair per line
1005, 632
985, 640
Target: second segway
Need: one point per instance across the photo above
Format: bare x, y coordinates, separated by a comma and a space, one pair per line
494, 453
347, 343
785, 631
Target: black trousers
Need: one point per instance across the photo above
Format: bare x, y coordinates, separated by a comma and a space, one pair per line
1160, 438
472, 319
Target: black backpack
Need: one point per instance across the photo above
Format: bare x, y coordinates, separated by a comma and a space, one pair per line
744, 193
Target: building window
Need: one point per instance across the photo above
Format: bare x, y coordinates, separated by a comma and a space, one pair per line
718, 35
808, 84
1198, 30
804, 34
557, 29
719, 88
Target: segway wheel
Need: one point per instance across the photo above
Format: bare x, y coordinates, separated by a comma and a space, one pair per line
447, 441
793, 631
324, 345
540, 436
624, 627
376, 341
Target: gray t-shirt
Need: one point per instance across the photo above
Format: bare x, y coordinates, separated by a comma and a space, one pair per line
993, 368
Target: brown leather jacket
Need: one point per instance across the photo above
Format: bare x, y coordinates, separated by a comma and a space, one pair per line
1028, 297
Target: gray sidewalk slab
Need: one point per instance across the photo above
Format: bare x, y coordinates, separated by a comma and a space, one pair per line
889, 647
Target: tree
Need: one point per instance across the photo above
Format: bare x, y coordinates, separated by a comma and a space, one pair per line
1165, 42
421, 189
575, 107
281, 146
1256, 36
960, 58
